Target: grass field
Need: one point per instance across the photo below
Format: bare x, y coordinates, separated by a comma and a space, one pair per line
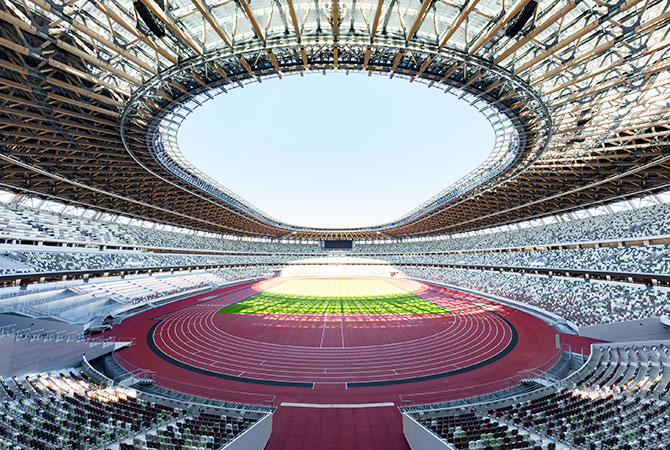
334, 296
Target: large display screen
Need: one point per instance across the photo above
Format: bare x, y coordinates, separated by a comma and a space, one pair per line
338, 244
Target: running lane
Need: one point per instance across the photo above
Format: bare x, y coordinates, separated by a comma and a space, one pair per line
333, 348
335, 357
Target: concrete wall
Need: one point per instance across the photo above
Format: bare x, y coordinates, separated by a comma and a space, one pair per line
18, 357
255, 438
630, 331
23, 322
420, 438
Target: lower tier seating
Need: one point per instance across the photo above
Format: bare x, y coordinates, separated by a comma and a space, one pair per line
617, 400
67, 410
580, 301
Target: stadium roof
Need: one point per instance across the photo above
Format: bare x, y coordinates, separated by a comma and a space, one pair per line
92, 94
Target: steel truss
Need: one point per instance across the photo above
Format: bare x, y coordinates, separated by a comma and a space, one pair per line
87, 96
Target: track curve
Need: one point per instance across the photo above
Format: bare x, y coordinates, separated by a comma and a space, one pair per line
200, 338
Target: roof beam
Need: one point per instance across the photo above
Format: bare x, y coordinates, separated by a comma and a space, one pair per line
294, 18
275, 63
206, 13
93, 60
559, 45
483, 39
84, 92
181, 34
396, 61
375, 21
112, 46
336, 18
86, 76
9, 18
113, 15
94, 36
252, 19
465, 12
554, 18
418, 19
423, 67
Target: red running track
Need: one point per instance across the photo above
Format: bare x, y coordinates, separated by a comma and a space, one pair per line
332, 351
332, 348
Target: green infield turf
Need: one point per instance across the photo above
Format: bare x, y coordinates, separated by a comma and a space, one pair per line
310, 298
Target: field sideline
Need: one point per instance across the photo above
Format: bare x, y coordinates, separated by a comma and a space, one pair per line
350, 296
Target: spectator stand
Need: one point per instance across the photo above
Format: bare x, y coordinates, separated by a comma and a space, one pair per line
617, 399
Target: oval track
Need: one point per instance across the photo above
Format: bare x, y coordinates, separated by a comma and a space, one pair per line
473, 334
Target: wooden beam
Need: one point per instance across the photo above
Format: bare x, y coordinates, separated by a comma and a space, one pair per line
465, 12
20, 49
375, 21
417, 20
424, 66
396, 61
294, 18
549, 21
83, 105
336, 19
87, 93
209, 17
111, 14
252, 19
96, 37
483, 39
181, 34
275, 63
102, 64
9, 18
88, 77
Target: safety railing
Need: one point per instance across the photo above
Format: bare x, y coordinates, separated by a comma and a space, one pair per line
196, 390
468, 394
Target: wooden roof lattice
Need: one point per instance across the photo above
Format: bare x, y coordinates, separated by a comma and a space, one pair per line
91, 99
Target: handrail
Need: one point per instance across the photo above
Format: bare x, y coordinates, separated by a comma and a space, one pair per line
38, 277
56, 335
8, 330
605, 275
198, 390
108, 340
471, 392
89, 369
113, 247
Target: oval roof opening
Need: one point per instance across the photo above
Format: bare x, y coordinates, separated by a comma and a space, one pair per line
338, 150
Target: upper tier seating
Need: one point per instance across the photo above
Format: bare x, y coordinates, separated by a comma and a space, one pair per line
40, 261
638, 259
582, 302
24, 222
10, 265
642, 222
651, 259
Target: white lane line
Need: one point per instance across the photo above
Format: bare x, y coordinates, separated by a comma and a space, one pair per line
323, 332
337, 405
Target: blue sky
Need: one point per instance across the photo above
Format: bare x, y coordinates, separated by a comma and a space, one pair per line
336, 150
